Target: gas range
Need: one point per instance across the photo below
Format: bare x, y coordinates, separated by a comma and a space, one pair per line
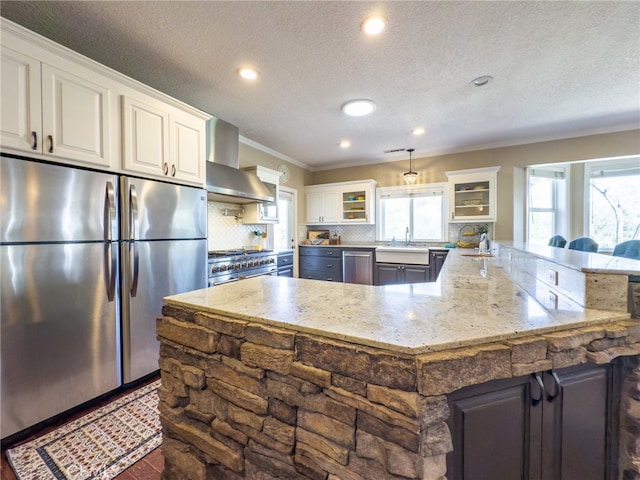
231, 265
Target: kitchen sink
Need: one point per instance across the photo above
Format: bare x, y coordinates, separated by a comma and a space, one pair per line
408, 255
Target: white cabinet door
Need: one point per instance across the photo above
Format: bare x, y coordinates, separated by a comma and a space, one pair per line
76, 118
472, 195
314, 207
331, 206
21, 127
188, 144
323, 207
145, 137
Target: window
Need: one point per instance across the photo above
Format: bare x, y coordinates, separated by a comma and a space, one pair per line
612, 209
412, 212
547, 200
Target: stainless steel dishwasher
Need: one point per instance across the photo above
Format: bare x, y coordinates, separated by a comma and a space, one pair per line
357, 266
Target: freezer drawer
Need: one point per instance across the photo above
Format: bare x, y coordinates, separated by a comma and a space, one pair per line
59, 339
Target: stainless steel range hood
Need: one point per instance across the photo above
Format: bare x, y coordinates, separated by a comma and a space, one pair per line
226, 183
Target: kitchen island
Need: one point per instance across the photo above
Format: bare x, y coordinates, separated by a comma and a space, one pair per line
289, 378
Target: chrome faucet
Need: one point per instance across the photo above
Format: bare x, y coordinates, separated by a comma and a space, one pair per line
407, 237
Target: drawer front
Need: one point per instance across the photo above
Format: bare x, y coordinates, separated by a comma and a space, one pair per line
323, 264
321, 252
285, 260
321, 275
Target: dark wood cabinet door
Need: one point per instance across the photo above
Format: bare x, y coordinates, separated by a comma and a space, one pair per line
388, 274
436, 260
416, 273
577, 430
492, 426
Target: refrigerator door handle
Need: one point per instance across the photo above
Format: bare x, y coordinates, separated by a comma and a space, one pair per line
110, 262
110, 224
133, 233
135, 268
133, 214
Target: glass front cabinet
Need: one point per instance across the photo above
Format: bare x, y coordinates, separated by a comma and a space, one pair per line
341, 203
472, 194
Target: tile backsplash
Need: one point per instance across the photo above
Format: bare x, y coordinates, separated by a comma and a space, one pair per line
224, 232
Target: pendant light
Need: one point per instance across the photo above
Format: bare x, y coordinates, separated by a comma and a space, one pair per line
410, 177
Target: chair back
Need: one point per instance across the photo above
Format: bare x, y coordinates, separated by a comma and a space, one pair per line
584, 244
628, 249
557, 241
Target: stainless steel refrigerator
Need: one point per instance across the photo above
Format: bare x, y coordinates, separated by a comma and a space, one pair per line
85, 259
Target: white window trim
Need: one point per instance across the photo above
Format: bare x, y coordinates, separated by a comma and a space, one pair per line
440, 187
561, 221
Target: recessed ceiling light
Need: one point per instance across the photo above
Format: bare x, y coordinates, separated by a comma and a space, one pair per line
358, 108
481, 81
248, 73
418, 131
374, 25
345, 144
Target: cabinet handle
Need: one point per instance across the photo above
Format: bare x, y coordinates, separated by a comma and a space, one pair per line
330, 279
50, 143
329, 265
173, 170
35, 141
537, 389
556, 390
165, 168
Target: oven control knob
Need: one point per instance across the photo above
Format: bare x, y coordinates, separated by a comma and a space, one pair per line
239, 266
271, 260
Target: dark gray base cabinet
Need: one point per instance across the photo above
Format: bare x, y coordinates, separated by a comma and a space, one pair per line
515, 429
436, 260
285, 264
321, 263
393, 273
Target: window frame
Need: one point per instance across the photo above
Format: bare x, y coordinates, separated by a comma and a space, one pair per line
618, 163
406, 191
560, 198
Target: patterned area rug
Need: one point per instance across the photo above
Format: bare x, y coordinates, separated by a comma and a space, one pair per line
98, 445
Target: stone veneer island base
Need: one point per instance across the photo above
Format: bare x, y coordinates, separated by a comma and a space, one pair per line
348, 382
245, 400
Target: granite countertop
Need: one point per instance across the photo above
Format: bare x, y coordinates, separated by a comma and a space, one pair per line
473, 302
582, 261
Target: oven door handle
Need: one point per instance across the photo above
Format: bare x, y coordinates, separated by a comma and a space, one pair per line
270, 272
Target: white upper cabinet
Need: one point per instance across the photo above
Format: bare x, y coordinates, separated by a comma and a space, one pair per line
472, 194
52, 112
76, 118
187, 148
21, 102
62, 107
341, 203
323, 205
145, 138
161, 142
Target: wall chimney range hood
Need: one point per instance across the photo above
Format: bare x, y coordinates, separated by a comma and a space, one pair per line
226, 183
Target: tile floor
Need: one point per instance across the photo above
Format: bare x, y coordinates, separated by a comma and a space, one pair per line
147, 468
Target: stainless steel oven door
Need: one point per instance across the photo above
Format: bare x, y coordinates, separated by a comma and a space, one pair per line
271, 272
220, 279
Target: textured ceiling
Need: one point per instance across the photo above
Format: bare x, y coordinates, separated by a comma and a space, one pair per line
561, 69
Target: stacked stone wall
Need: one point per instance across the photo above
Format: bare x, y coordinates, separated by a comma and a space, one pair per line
245, 400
